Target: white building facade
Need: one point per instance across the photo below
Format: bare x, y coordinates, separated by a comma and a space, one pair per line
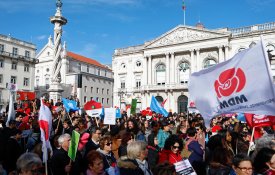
17, 63
162, 67
81, 77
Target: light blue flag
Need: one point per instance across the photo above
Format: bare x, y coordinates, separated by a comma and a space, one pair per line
102, 115
155, 106
70, 105
118, 114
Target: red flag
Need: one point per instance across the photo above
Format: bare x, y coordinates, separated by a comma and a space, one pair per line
45, 123
257, 120
162, 104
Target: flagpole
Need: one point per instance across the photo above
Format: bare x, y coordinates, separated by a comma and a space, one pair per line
251, 139
184, 17
46, 162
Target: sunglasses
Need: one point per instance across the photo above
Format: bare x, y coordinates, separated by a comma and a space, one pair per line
108, 144
176, 147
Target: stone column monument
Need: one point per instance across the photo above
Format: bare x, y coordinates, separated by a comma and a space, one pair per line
58, 20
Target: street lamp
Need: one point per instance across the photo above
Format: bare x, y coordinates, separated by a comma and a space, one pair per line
120, 93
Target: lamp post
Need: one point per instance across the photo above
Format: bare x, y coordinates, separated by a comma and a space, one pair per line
120, 93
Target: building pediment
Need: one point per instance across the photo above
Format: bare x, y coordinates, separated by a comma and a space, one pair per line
182, 34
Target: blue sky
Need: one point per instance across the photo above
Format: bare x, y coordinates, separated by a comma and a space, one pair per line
96, 28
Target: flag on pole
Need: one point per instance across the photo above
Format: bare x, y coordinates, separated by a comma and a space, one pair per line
11, 114
93, 108
155, 106
242, 84
45, 124
118, 114
70, 105
133, 106
183, 5
163, 103
73, 145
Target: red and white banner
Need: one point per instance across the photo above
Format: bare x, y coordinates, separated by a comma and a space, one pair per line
93, 108
258, 120
45, 123
242, 84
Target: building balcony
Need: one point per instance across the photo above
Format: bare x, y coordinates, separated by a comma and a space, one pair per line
163, 87
19, 57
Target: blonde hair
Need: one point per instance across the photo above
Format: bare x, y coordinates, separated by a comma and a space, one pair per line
134, 149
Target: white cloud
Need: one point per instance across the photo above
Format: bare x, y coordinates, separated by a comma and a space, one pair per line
41, 37
88, 50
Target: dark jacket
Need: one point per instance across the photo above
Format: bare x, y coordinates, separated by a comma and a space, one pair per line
129, 167
197, 152
59, 161
153, 151
90, 146
218, 169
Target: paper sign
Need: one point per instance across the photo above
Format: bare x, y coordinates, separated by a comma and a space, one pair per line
110, 116
184, 168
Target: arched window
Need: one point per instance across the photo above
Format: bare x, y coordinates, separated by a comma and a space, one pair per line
160, 74
182, 103
184, 72
209, 63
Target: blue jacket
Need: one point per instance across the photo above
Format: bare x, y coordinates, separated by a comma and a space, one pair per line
162, 136
197, 152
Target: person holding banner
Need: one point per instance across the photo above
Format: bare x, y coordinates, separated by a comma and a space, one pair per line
60, 161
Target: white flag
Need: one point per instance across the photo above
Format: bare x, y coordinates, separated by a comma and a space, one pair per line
45, 123
11, 114
241, 84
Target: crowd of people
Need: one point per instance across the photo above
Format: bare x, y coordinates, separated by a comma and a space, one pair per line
136, 145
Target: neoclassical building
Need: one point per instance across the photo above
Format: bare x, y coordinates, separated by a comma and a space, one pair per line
17, 62
162, 66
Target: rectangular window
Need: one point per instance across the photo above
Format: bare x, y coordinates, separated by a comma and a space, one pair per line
13, 79
107, 91
97, 99
14, 65
85, 99
122, 85
26, 68
14, 51
91, 98
107, 100
102, 101
26, 82
37, 82
105, 73
98, 72
1, 63
27, 54
138, 83
1, 78
88, 69
47, 82
97, 90
91, 89
102, 90
1, 48
85, 88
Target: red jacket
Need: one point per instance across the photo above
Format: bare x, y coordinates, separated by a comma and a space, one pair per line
169, 156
